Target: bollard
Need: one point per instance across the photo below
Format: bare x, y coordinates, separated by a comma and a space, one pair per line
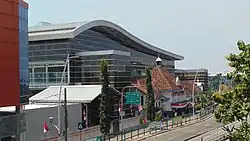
172, 123
131, 133
138, 132
167, 124
150, 128
117, 137
201, 138
144, 130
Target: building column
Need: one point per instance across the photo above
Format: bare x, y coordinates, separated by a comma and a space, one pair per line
33, 74
46, 76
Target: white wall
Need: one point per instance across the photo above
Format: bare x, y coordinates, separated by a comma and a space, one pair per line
173, 99
35, 119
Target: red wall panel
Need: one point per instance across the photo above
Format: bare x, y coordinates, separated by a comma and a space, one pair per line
9, 53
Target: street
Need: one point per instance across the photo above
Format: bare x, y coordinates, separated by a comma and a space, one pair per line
185, 132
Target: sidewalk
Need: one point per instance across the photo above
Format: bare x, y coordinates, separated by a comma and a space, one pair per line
144, 133
215, 134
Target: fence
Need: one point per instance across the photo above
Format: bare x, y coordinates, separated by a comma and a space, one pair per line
218, 133
136, 131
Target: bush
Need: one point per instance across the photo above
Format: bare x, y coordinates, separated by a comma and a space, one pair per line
197, 107
141, 121
158, 116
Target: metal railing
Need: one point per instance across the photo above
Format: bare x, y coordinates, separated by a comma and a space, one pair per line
219, 132
139, 130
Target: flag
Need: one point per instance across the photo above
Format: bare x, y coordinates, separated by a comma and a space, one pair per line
120, 108
45, 127
140, 107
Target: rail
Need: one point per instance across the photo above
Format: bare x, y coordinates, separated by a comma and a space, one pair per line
218, 133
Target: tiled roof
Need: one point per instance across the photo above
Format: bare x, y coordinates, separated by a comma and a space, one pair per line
188, 84
163, 80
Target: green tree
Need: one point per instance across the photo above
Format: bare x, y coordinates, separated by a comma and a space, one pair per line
215, 82
205, 98
150, 97
234, 104
105, 98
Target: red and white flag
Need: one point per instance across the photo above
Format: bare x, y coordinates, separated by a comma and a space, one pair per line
140, 107
120, 108
45, 127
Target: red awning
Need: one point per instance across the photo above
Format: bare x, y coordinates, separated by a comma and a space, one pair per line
180, 105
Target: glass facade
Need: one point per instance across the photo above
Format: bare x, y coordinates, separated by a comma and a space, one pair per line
119, 75
47, 59
23, 53
202, 76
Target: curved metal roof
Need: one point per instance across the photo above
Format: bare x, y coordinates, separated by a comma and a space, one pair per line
71, 30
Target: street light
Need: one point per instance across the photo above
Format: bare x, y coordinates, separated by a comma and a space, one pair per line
60, 91
193, 90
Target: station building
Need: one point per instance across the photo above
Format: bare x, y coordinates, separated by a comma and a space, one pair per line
88, 43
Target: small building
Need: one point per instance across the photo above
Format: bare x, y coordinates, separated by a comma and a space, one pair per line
37, 114
170, 92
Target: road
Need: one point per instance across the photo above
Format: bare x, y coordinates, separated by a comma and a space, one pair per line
185, 132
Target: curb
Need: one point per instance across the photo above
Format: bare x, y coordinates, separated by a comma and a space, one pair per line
194, 136
165, 131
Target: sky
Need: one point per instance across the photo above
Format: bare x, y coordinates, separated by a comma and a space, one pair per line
204, 32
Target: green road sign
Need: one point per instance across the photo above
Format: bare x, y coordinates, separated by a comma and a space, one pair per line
98, 138
133, 98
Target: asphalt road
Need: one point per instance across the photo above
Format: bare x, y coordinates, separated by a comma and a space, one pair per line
185, 132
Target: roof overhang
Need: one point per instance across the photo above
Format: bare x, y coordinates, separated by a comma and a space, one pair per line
56, 33
75, 94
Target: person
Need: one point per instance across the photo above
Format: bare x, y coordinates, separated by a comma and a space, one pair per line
144, 121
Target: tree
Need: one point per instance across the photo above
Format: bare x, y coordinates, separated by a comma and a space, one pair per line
105, 98
215, 82
205, 98
150, 97
234, 104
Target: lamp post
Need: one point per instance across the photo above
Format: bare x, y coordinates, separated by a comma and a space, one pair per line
60, 92
193, 90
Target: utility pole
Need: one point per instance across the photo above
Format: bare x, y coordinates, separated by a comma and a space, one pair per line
18, 123
65, 115
193, 91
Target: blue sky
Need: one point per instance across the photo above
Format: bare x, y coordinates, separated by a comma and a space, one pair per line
204, 32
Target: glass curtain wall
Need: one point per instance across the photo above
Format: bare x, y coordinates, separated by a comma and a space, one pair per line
119, 75
23, 53
47, 58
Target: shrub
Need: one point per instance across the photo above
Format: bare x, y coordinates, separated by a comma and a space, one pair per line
197, 107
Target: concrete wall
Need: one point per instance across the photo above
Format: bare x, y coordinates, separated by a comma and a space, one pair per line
35, 119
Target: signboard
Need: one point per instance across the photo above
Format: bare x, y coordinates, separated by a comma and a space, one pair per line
80, 125
133, 98
98, 138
